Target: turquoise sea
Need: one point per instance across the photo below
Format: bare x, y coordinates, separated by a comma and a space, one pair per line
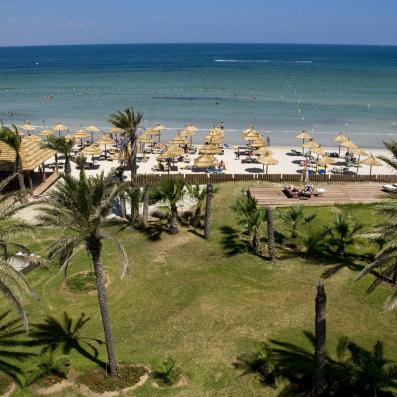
281, 89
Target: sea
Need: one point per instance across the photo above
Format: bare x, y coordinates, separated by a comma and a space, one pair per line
280, 89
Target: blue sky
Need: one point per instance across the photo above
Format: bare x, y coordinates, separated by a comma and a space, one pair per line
35, 22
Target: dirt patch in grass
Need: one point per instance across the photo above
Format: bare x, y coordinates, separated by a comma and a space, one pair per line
98, 381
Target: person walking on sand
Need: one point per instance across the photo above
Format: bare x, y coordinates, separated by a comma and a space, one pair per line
222, 125
268, 141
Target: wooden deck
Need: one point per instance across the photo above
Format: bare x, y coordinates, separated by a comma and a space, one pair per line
40, 189
349, 193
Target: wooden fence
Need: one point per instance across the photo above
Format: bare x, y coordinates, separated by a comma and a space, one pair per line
203, 179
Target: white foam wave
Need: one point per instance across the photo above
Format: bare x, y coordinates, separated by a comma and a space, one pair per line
243, 60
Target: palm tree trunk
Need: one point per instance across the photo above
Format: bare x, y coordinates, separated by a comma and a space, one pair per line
133, 166
123, 205
145, 209
270, 233
95, 251
255, 243
19, 171
208, 203
319, 341
196, 217
174, 220
68, 168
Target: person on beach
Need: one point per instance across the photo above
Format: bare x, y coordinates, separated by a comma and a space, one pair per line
268, 141
222, 125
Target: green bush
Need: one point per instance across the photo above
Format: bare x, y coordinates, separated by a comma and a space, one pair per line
167, 374
81, 282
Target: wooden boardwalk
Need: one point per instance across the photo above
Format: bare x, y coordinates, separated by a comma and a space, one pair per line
40, 189
346, 193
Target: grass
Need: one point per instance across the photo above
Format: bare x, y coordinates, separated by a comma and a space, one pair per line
187, 298
82, 282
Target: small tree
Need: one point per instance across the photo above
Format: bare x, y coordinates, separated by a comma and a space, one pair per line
199, 194
343, 233
208, 206
64, 146
251, 217
169, 192
128, 120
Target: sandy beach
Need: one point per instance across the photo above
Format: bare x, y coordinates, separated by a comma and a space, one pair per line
288, 164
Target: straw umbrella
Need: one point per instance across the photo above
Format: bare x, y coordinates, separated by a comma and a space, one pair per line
145, 138
92, 151
349, 145
263, 151
304, 135
205, 161
92, 129
46, 132
340, 138
267, 160
325, 161
59, 127
258, 144
249, 129
319, 151
251, 136
372, 161
359, 152
191, 128
209, 149
312, 144
105, 140
178, 140
80, 134
116, 131
28, 127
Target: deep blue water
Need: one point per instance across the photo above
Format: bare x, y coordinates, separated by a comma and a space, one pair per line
279, 88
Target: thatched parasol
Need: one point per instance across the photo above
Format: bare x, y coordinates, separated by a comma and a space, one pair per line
349, 145
251, 136
325, 161
59, 127
258, 143
267, 160
263, 151
80, 134
372, 161
92, 129
46, 132
105, 140
205, 161
178, 140
209, 149
359, 152
28, 127
91, 150
145, 139
304, 135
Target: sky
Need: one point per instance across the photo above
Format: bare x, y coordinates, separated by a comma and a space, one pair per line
46, 22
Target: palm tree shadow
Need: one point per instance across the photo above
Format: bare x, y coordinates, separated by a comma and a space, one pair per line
196, 233
53, 335
347, 262
231, 241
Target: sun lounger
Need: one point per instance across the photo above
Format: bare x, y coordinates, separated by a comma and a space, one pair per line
290, 191
390, 188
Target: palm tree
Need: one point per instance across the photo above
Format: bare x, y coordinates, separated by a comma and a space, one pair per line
12, 138
170, 191
199, 195
319, 341
129, 122
13, 284
294, 219
343, 233
146, 201
392, 148
251, 217
134, 194
65, 335
48, 364
314, 241
208, 204
384, 265
271, 242
61, 145
80, 207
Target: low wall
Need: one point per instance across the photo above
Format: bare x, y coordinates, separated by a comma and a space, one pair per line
203, 179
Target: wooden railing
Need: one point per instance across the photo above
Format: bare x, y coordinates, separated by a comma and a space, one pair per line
203, 179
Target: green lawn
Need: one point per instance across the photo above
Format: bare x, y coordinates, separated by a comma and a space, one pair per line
187, 298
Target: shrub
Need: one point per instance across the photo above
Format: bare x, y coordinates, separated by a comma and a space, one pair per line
167, 374
81, 282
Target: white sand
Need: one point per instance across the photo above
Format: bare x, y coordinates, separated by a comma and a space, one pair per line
287, 164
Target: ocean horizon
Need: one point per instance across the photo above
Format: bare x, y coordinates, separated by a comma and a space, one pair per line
280, 88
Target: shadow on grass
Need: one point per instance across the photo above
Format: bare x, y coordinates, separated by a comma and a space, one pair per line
231, 241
